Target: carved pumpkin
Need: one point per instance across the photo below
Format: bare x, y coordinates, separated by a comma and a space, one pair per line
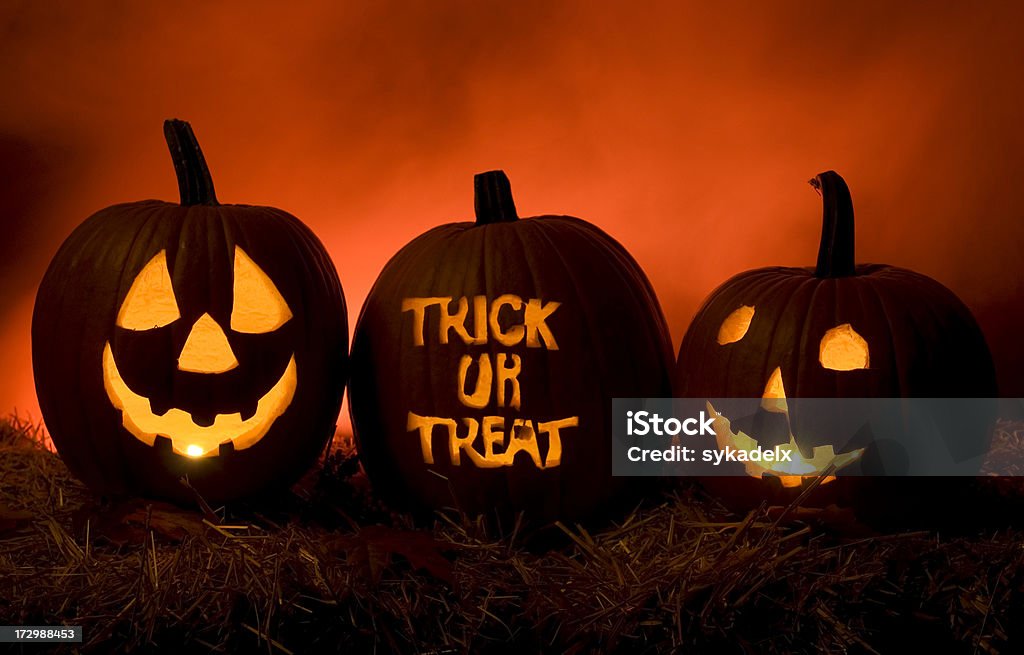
486, 357
192, 340
836, 330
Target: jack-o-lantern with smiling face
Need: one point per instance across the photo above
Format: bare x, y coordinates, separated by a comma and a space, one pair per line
836, 330
192, 340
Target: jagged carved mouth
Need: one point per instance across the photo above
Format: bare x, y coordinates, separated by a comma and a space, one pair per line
791, 473
177, 426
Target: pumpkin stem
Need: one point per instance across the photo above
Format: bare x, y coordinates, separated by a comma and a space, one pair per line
194, 182
835, 254
492, 198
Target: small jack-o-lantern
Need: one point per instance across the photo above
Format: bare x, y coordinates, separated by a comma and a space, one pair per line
486, 358
192, 340
836, 330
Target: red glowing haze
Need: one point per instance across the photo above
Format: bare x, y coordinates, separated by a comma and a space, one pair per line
687, 132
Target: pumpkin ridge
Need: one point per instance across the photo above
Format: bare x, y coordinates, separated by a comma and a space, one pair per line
953, 319
902, 379
147, 233
721, 295
549, 477
629, 272
538, 229
791, 288
768, 287
401, 271
62, 405
825, 295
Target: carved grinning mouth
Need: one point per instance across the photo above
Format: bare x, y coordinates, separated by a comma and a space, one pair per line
186, 437
789, 473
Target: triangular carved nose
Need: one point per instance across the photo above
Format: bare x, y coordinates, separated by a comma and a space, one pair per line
774, 397
206, 349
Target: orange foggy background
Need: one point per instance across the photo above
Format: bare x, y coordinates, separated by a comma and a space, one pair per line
687, 132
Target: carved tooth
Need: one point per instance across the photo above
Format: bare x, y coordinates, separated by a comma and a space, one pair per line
204, 419
157, 408
163, 445
226, 448
248, 410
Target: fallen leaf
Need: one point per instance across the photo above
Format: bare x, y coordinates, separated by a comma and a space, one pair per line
126, 522
841, 521
372, 549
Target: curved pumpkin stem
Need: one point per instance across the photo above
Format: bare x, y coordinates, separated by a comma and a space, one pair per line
492, 198
194, 182
835, 254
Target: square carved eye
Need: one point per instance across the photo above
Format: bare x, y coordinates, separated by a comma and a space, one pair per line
258, 306
842, 349
735, 325
150, 301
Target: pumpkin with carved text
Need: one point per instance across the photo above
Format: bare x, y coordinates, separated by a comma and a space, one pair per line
486, 358
835, 330
191, 343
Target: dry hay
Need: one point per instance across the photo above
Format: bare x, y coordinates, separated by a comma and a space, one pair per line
329, 570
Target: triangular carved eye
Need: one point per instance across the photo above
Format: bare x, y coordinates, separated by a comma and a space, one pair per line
842, 349
258, 306
735, 325
150, 301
